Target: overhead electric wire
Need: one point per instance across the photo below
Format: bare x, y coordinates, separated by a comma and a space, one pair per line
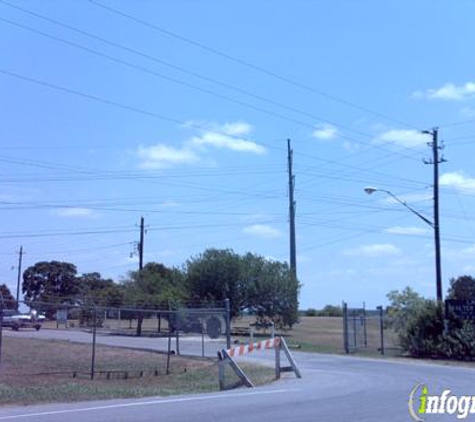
112, 231
158, 60
245, 63
459, 123
209, 92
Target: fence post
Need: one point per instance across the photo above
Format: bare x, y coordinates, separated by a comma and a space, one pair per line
169, 348
177, 331
1, 327
93, 358
381, 328
346, 346
365, 331
277, 361
228, 323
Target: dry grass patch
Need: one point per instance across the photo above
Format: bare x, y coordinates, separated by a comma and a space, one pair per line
36, 371
325, 335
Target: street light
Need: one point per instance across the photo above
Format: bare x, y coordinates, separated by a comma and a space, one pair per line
438, 272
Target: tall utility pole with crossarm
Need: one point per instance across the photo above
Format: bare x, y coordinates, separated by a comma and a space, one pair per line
435, 161
293, 247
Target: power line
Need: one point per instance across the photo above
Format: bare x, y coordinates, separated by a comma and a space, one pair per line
165, 63
116, 230
460, 123
245, 63
207, 91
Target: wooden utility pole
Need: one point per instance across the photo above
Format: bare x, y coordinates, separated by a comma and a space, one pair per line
435, 161
293, 249
142, 230
20, 259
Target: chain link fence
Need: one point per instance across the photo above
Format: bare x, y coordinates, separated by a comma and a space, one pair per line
368, 330
85, 338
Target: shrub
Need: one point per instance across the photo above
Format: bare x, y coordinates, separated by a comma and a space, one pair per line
311, 312
331, 311
422, 330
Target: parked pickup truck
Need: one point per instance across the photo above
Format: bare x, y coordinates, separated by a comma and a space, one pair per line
16, 321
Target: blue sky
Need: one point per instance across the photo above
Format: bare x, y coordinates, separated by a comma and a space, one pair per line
180, 111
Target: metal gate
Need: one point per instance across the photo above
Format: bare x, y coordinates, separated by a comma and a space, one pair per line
355, 334
365, 329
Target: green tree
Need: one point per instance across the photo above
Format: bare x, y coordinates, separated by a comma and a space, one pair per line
250, 282
402, 305
462, 288
216, 275
331, 311
273, 292
102, 292
51, 283
418, 322
9, 301
155, 287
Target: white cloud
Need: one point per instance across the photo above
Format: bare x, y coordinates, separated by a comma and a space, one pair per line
262, 230
235, 129
228, 136
458, 180
449, 91
161, 156
75, 212
373, 251
325, 132
402, 137
411, 231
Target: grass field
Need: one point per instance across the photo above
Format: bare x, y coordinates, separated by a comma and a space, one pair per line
313, 334
325, 335
35, 371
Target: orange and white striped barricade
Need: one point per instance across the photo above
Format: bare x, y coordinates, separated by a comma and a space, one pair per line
226, 356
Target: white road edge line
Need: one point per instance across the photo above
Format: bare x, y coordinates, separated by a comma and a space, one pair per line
146, 403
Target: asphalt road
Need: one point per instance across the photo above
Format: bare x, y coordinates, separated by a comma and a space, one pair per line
333, 388
188, 345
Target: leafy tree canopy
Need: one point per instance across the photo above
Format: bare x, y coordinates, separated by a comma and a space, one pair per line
53, 281
154, 287
462, 288
102, 292
215, 275
9, 301
252, 282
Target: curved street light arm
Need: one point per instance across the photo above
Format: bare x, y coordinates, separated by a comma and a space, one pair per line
425, 219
